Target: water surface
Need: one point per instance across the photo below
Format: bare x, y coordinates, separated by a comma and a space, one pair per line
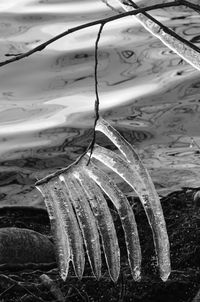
47, 100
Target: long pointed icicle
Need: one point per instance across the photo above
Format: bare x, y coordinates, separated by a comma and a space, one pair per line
126, 216
184, 51
62, 199
148, 196
104, 221
58, 229
87, 223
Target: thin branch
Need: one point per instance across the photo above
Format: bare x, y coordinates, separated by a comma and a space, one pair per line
104, 21
195, 7
96, 91
62, 170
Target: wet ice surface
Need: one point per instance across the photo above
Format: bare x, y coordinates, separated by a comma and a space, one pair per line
47, 100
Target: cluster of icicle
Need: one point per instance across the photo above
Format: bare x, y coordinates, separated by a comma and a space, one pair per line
184, 51
79, 212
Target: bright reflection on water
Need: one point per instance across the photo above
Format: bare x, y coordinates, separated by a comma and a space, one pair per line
47, 100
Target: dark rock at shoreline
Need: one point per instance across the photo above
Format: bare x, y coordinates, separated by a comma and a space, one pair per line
22, 246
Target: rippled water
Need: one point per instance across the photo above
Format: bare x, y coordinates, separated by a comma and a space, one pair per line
47, 100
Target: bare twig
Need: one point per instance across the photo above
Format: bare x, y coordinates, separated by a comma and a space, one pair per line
193, 6
23, 285
106, 20
96, 91
6, 290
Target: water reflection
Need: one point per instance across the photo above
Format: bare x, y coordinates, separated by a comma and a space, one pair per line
47, 100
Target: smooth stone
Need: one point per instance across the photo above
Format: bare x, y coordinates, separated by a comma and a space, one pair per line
22, 246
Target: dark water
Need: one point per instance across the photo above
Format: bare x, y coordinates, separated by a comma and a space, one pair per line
47, 100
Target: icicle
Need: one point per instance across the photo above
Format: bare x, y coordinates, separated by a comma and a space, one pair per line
58, 229
86, 221
135, 175
126, 216
148, 195
61, 197
184, 51
104, 221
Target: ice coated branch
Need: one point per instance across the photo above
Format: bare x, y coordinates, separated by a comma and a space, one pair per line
188, 52
79, 213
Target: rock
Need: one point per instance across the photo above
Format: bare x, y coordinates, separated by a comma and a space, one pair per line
22, 246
